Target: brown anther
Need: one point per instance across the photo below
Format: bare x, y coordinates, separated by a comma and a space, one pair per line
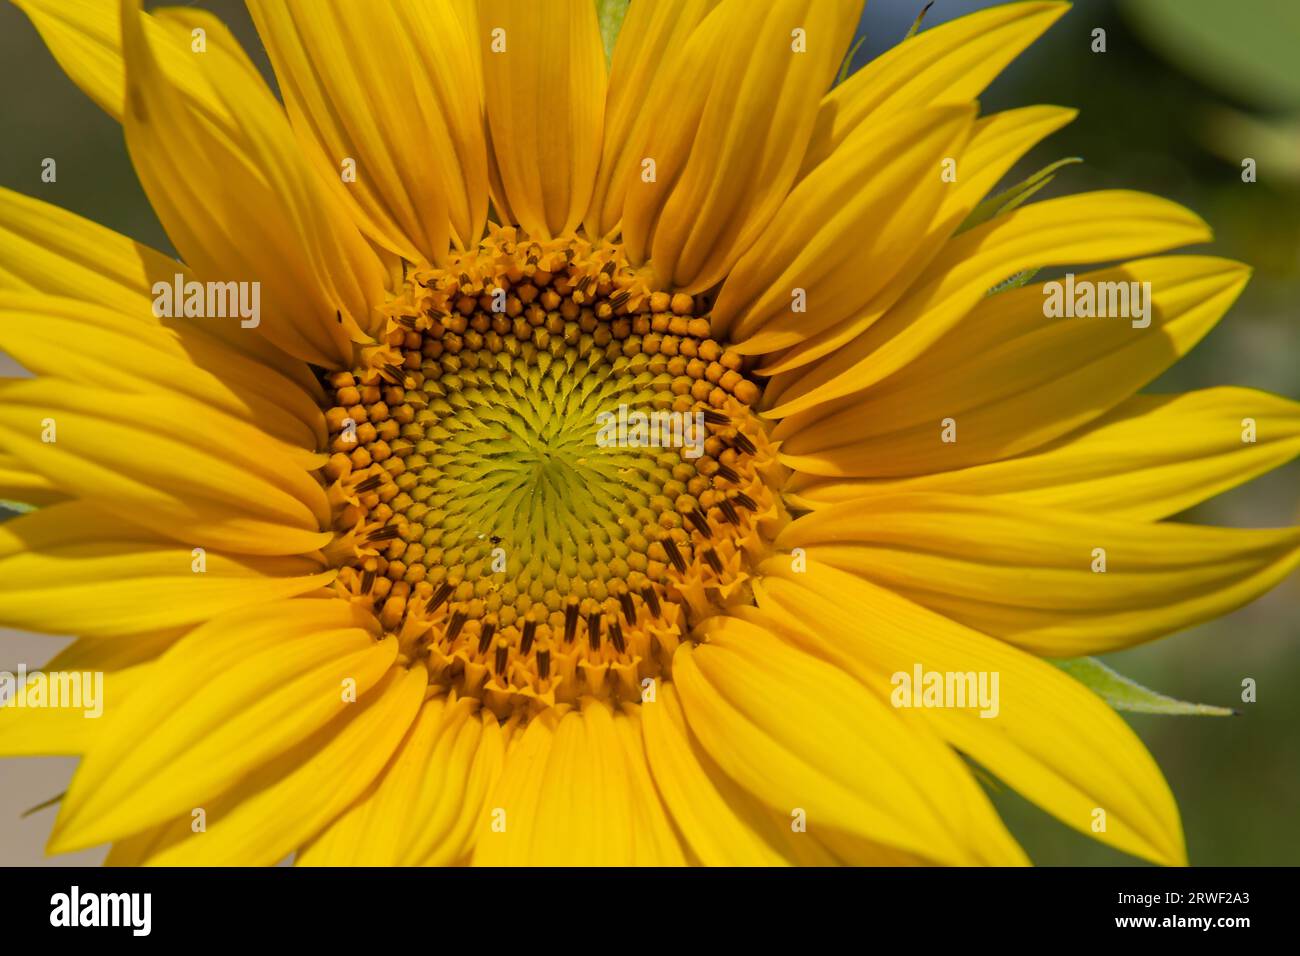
674, 555
485, 636
701, 522
441, 594
457, 621
629, 609
728, 510
570, 621
652, 600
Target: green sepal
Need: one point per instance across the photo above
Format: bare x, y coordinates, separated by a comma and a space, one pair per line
610, 14
1009, 199
1125, 694
845, 67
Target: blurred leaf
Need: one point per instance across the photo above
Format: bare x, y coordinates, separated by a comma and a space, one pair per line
1274, 143
610, 14
1124, 694
1247, 48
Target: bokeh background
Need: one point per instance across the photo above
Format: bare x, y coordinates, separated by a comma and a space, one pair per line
1184, 91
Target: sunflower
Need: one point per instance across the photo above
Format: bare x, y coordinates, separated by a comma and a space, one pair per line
601, 445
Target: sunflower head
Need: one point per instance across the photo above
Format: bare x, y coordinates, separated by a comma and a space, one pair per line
546, 473
618, 451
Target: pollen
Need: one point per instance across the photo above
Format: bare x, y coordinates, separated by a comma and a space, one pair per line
547, 474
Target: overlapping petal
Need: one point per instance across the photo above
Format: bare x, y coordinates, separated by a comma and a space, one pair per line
1056, 583
240, 201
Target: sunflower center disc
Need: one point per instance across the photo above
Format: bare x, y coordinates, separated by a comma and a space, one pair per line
547, 474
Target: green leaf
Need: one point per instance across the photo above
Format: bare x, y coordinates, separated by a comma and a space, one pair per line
1124, 694
1009, 199
610, 14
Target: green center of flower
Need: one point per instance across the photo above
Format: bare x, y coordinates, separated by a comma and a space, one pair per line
547, 474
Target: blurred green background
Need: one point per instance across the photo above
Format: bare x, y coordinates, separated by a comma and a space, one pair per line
1184, 91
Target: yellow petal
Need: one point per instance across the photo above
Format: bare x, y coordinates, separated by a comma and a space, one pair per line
281, 806
19, 483
1012, 379
1091, 227
1047, 736
70, 569
801, 734
57, 731
240, 201
1150, 457
718, 819
71, 523
544, 77
428, 804
117, 651
731, 120
390, 87
92, 345
85, 37
656, 840
651, 38
467, 15
135, 849
950, 63
515, 798
1033, 576
237, 693
50, 250
187, 471
570, 796
997, 142
844, 231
